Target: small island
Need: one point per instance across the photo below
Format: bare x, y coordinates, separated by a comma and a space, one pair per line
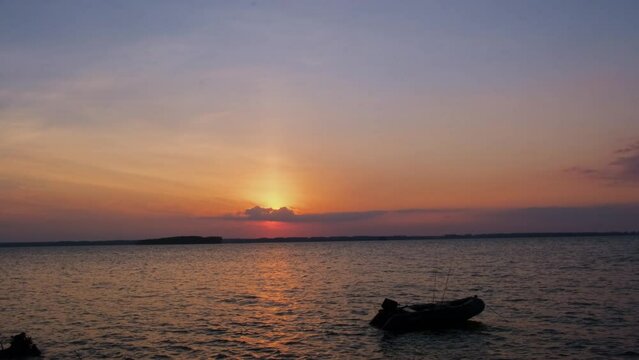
181, 240
173, 240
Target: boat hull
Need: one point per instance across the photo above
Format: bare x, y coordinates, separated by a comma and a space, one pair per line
419, 317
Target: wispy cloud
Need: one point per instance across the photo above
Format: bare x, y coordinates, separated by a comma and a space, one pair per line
632, 148
622, 169
627, 163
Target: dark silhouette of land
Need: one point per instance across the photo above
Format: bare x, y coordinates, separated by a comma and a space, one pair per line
174, 240
180, 240
189, 240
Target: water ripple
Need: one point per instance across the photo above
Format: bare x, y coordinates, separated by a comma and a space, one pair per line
547, 298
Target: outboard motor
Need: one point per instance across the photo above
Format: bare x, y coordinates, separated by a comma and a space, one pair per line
389, 307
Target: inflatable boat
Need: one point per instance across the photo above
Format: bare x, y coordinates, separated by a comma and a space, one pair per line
395, 318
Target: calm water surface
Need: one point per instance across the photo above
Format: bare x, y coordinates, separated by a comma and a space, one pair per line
549, 298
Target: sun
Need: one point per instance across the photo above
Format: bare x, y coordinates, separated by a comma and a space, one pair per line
272, 190
274, 200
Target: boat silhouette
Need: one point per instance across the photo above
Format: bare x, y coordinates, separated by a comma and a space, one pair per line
398, 319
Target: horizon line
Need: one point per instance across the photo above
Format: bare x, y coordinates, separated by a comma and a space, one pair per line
196, 239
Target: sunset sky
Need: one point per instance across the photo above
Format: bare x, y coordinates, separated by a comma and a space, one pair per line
135, 119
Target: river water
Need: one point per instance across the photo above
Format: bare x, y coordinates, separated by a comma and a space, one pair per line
546, 298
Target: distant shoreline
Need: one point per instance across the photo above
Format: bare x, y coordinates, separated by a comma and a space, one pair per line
193, 240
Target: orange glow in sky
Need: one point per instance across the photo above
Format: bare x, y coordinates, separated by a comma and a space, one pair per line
411, 121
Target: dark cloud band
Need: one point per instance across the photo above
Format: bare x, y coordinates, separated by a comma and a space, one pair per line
285, 214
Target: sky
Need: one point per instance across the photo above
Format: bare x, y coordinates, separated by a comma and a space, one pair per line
137, 119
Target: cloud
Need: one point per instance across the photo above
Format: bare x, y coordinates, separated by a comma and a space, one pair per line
433, 221
259, 213
623, 169
101, 224
285, 214
632, 148
584, 171
607, 217
628, 164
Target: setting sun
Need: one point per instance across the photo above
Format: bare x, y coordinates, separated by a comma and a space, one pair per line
272, 189
274, 200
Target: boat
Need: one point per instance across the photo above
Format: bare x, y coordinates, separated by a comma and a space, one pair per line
398, 319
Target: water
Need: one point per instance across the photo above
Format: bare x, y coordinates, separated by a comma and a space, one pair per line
546, 298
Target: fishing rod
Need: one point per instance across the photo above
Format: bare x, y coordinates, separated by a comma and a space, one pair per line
435, 288
446, 285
